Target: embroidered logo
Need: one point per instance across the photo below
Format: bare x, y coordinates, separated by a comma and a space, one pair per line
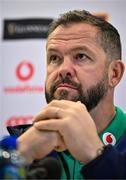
109, 138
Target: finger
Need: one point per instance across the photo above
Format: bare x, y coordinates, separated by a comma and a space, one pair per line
52, 125
60, 148
55, 109
66, 104
60, 144
61, 103
48, 113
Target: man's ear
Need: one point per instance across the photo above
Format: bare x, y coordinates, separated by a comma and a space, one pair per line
116, 70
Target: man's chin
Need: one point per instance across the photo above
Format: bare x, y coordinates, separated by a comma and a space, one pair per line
66, 96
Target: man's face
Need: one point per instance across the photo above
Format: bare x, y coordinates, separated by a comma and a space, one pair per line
76, 65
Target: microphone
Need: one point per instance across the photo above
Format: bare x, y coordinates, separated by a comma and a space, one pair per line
47, 168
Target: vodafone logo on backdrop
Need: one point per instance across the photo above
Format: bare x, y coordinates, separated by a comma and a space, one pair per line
24, 71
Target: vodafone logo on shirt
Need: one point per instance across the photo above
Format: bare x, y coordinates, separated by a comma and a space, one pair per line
24, 72
109, 138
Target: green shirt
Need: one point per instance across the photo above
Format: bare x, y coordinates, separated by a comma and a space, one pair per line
111, 135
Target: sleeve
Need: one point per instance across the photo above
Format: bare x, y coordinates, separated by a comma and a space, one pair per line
110, 165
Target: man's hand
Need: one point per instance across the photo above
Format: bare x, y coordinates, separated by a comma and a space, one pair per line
75, 126
36, 144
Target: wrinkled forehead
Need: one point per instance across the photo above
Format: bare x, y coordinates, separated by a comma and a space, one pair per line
74, 31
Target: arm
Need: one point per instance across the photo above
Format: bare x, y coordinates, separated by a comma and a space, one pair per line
110, 165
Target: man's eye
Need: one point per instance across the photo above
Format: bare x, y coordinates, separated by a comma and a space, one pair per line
54, 59
81, 56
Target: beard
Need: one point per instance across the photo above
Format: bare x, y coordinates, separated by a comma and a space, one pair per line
90, 97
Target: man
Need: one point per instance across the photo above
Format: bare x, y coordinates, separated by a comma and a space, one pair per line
80, 121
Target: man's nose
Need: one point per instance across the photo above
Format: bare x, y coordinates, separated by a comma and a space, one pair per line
66, 68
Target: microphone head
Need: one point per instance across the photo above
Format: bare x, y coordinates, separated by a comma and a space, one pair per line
47, 168
8, 143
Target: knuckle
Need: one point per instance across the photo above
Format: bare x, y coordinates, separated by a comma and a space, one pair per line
53, 102
81, 106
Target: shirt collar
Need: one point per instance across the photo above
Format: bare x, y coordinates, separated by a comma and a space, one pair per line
115, 130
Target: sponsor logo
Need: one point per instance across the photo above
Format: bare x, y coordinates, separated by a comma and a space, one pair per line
23, 89
26, 28
24, 72
18, 120
109, 138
